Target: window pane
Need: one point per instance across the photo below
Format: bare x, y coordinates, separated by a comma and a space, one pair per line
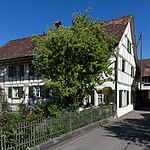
31, 70
15, 92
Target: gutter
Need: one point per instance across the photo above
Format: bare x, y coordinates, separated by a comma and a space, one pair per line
15, 59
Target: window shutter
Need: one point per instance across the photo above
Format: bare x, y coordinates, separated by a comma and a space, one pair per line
123, 65
10, 92
130, 48
132, 71
31, 92
120, 98
20, 92
129, 45
42, 91
127, 97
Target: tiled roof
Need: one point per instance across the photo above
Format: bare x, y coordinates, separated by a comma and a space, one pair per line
116, 27
23, 47
16, 49
146, 67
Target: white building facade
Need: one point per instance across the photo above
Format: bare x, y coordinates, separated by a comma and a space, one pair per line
20, 81
124, 69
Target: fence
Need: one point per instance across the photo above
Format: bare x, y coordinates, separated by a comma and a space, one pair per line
28, 134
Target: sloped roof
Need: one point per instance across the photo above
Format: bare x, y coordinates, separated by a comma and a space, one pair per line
16, 48
23, 47
146, 67
117, 26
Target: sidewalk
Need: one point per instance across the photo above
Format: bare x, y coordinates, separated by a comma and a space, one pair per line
130, 132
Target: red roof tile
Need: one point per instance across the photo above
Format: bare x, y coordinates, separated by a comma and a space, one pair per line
23, 47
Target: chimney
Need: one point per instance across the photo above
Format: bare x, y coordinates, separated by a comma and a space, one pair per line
57, 23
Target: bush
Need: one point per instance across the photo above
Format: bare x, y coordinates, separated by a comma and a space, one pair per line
11, 118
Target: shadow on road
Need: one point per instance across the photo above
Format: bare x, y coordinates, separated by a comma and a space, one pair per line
133, 130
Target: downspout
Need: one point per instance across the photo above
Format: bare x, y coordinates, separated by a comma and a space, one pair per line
116, 79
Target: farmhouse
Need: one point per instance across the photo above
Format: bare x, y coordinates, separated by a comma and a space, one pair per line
21, 84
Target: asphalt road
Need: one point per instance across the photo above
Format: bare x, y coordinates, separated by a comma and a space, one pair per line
131, 132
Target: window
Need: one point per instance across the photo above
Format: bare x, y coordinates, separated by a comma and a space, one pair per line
37, 91
145, 79
44, 91
129, 45
10, 92
123, 98
15, 71
11, 71
100, 97
31, 70
123, 65
34, 91
21, 70
15, 92
132, 71
18, 92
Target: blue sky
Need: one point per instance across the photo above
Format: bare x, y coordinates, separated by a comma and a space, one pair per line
21, 18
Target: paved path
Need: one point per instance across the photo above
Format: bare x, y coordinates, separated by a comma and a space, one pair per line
131, 132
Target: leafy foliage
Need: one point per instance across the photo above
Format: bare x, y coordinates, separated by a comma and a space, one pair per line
72, 60
50, 109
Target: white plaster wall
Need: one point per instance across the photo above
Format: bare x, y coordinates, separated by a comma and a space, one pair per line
124, 110
124, 78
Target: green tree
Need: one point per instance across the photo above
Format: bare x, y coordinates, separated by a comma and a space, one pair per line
72, 60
